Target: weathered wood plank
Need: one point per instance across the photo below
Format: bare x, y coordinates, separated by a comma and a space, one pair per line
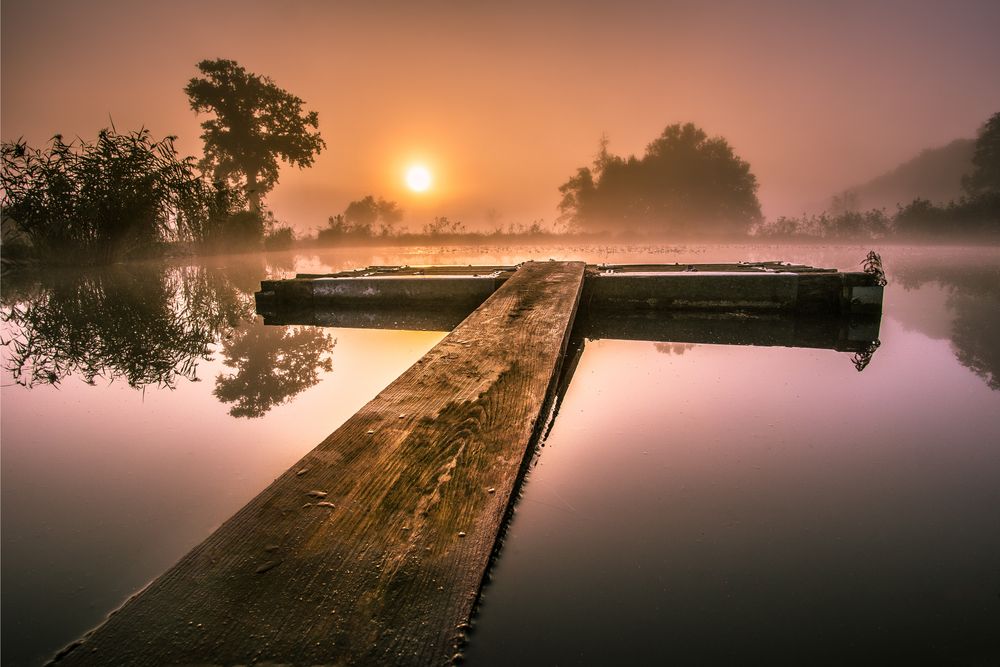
373, 547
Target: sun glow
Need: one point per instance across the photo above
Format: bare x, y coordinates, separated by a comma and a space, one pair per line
418, 178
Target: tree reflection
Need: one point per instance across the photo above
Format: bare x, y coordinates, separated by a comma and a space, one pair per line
673, 348
273, 365
974, 333
144, 324
975, 300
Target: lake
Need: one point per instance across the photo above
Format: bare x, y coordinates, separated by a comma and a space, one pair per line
692, 502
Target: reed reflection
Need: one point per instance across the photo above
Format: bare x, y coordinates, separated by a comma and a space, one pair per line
144, 325
152, 325
273, 365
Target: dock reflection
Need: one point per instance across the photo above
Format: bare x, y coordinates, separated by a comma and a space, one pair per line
854, 334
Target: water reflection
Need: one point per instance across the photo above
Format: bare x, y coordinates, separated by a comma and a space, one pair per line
150, 325
138, 323
273, 365
673, 348
863, 357
132, 520
974, 301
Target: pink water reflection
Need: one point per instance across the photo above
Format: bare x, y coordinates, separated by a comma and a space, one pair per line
666, 460
717, 504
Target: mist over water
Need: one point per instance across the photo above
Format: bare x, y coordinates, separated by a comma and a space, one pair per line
692, 501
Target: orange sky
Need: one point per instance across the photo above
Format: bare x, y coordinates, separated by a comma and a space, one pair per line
504, 102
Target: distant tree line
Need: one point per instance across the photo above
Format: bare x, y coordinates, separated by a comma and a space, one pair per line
126, 195
371, 220
976, 215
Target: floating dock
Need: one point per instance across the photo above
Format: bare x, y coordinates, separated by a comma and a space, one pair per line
372, 549
760, 303
757, 286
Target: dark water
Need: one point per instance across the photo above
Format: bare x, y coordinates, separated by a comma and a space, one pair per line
692, 503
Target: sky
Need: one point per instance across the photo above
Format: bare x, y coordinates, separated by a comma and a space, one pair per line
503, 101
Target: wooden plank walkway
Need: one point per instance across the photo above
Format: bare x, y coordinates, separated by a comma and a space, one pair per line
372, 549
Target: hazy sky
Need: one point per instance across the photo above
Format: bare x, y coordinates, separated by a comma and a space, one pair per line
504, 100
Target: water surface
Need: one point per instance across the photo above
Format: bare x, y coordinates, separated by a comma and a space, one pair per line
692, 501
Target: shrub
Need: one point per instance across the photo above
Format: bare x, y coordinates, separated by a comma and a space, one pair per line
279, 238
120, 196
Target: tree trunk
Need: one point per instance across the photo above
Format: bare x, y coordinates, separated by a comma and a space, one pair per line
253, 192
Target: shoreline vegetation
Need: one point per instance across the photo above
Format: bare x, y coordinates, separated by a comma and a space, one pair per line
936, 225
126, 196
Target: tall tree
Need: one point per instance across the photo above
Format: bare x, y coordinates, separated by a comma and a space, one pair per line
686, 184
255, 124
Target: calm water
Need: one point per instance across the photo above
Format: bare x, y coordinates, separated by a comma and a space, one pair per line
692, 503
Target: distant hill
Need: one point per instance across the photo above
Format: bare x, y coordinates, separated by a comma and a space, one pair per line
934, 174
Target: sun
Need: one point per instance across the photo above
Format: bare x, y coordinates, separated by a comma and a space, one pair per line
418, 178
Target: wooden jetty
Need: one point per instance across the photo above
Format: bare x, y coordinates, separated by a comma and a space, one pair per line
760, 303
372, 549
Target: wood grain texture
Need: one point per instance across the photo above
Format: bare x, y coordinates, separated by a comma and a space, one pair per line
372, 549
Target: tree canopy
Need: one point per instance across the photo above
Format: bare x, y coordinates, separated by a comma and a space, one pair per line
985, 175
255, 124
686, 184
367, 211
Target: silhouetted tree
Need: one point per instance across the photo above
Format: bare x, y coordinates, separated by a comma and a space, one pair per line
357, 221
685, 184
365, 212
985, 176
272, 364
256, 123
